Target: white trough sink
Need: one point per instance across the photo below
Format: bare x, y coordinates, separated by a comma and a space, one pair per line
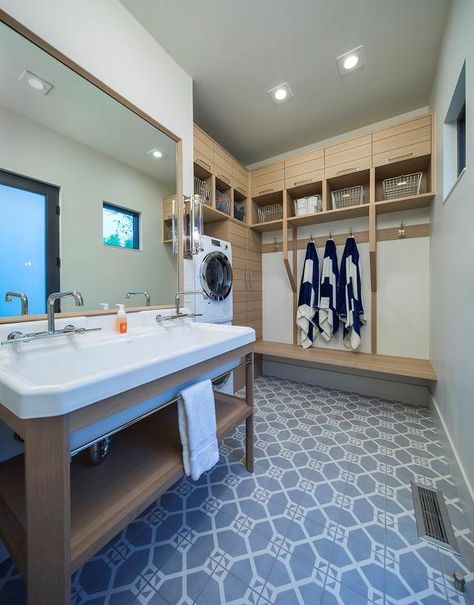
50, 377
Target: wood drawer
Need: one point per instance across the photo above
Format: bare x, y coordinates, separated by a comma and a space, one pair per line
198, 133
403, 153
348, 155
401, 128
405, 139
268, 188
348, 167
240, 186
204, 149
302, 158
303, 179
270, 176
203, 161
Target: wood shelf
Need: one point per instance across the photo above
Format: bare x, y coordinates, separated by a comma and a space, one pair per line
268, 225
423, 200
144, 461
212, 215
330, 215
405, 367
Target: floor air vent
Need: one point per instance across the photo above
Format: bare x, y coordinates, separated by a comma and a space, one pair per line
432, 519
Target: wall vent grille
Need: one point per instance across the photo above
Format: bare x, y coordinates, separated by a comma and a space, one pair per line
432, 518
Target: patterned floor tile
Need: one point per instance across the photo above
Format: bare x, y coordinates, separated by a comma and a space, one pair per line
326, 518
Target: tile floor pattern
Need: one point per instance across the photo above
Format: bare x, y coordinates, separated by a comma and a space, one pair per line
325, 519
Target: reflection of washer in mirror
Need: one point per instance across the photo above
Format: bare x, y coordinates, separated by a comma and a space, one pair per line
98, 452
216, 276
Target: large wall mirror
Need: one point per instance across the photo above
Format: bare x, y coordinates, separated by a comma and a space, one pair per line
86, 190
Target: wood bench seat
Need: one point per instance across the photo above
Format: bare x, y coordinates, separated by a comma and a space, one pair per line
367, 362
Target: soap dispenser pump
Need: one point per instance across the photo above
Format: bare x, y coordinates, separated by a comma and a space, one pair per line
121, 321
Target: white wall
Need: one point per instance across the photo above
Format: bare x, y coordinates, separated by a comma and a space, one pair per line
452, 251
105, 39
87, 178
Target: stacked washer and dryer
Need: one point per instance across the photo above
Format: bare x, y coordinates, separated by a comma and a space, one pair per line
211, 272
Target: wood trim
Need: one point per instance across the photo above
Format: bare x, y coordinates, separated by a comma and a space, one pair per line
55, 53
291, 277
102, 409
41, 43
48, 512
294, 234
407, 367
72, 314
361, 237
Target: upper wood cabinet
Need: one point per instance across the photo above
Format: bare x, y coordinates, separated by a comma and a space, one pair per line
269, 179
403, 141
349, 156
304, 168
217, 161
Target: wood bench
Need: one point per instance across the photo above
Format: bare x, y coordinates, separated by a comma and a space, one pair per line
404, 367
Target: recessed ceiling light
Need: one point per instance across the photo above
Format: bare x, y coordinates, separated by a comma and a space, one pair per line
280, 93
35, 82
157, 153
351, 61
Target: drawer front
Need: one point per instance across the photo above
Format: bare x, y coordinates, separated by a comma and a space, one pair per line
347, 145
304, 167
268, 188
403, 153
258, 172
348, 155
259, 180
401, 128
348, 167
203, 161
310, 156
304, 179
241, 188
412, 137
203, 136
204, 149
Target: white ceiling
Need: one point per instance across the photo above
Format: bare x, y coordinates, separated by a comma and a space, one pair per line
79, 110
235, 50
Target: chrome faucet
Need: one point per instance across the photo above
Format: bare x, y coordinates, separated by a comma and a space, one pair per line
138, 293
185, 293
9, 296
52, 298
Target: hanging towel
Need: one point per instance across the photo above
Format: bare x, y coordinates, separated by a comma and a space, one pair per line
349, 295
327, 317
197, 428
306, 314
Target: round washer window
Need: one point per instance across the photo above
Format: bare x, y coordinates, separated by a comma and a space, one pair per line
216, 276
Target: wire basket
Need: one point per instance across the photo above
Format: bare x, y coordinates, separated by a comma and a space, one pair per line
350, 196
239, 211
223, 201
202, 188
308, 205
270, 212
402, 186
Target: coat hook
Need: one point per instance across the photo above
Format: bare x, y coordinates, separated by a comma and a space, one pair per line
401, 231
350, 231
275, 244
311, 237
330, 235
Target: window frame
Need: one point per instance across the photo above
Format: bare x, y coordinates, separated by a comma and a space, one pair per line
52, 225
136, 225
461, 139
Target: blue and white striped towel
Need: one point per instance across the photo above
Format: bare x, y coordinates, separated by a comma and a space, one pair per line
349, 295
328, 319
306, 314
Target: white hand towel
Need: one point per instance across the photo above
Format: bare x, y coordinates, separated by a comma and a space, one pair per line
197, 428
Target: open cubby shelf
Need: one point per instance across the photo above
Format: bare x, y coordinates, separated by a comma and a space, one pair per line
139, 466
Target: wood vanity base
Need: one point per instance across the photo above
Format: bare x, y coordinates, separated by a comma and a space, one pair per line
55, 513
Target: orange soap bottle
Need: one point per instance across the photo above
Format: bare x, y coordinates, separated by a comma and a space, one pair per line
121, 323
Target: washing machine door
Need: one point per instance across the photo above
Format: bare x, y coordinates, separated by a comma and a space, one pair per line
216, 276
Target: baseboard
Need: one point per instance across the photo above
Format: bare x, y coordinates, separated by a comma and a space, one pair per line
410, 391
464, 488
